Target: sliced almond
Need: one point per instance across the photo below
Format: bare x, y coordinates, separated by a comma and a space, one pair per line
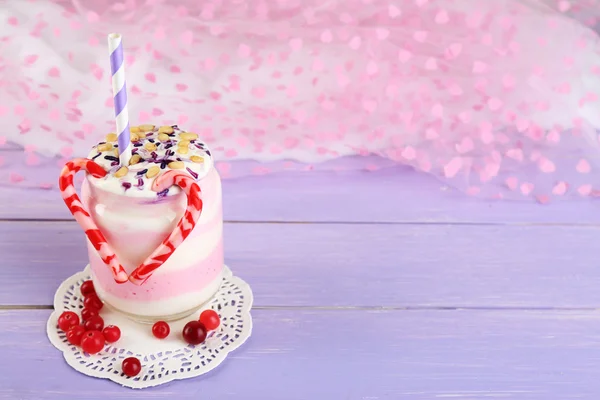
146, 128
188, 136
165, 129
183, 143
134, 159
197, 159
116, 152
176, 165
163, 137
183, 150
134, 129
121, 172
152, 171
133, 137
111, 137
150, 146
105, 147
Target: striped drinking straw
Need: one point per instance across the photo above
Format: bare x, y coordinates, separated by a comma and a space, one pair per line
117, 69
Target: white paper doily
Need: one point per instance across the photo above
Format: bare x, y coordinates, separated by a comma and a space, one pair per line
162, 360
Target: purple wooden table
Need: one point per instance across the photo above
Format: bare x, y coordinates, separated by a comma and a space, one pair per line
425, 295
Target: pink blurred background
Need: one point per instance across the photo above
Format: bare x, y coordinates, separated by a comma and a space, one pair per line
497, 98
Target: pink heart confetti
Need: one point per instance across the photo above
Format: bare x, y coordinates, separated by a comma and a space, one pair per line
559, 189
527, 188
583, 166
454, 50
452, 167
355, 43
546, 165
564, 5
584, 190
494, 104
394, 11
409, 153
296, 44
442, 17
431, 64
326, 36
479, 67
372, 68
420, 36
404, 56
382, 33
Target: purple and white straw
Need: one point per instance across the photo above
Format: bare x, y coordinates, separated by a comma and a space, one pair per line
117, 69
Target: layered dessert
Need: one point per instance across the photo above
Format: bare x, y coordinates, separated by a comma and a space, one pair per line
136, 219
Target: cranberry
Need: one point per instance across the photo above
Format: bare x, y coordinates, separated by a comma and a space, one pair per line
88, 313
96, 323
111, 333
93, 301
92, 342
87, 288
67, 319
161, 329
75, 334
131, 366
194, 332
210, 319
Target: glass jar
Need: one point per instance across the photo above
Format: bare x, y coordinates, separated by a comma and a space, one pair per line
134, 225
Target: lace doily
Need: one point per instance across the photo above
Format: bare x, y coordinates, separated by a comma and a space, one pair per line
162, 360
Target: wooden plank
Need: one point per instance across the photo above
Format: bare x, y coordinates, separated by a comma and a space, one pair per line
352, 265
348, 354
395, 194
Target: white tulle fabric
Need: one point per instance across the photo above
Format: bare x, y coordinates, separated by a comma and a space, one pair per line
498, 98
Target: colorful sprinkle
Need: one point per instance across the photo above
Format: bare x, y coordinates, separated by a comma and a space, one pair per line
195, 175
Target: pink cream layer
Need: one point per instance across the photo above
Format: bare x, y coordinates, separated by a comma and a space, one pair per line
132, 244
165, 285
136, 226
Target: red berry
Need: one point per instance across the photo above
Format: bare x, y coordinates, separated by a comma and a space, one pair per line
88, 313
111, 333
75, 334
93, 301
96, 323
131, 366
92, 342
87, 288
67, 319
194, 332
210, 319
161, 329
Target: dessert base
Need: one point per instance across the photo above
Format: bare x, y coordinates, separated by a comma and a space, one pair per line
162, 360
160, 308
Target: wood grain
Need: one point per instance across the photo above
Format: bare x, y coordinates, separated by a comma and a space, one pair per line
398, 195
293, 355
344, 265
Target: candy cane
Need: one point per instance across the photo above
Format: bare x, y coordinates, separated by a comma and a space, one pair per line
182, 230
82, 216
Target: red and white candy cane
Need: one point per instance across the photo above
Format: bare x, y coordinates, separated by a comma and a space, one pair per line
182, 230
82, 216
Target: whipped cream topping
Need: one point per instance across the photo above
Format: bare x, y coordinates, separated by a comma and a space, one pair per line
155, 150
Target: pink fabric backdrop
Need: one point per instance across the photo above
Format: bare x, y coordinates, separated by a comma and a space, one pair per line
498, 98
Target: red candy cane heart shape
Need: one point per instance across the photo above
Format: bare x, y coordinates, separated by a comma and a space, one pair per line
83, 217
184, 227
